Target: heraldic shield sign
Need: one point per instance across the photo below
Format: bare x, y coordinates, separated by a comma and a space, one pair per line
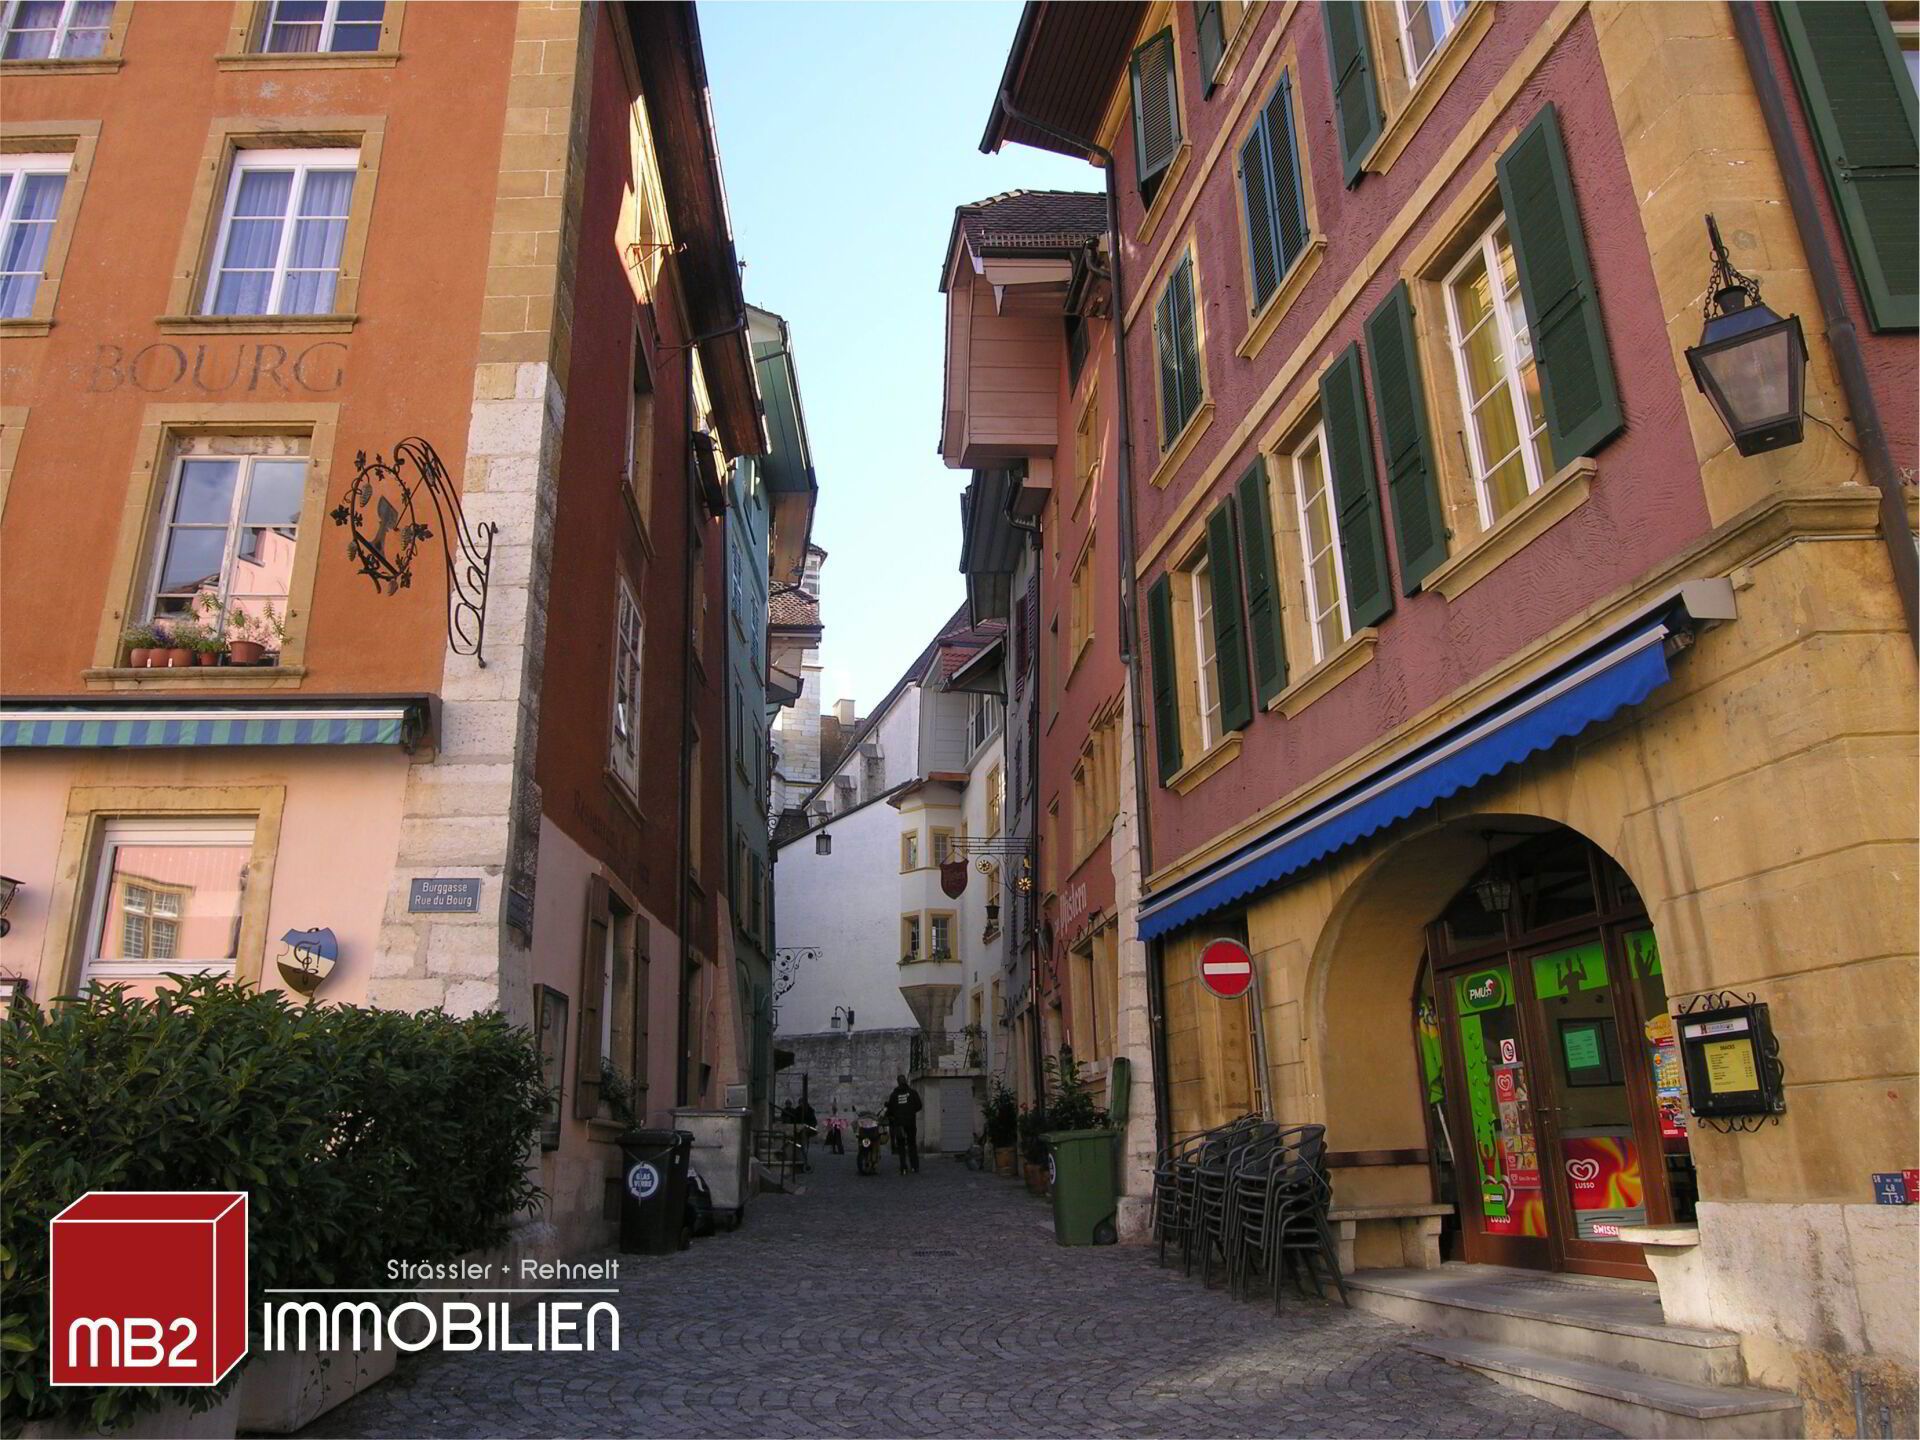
953, 878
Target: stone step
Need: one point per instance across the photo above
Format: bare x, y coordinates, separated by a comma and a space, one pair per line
1629, 1401
1607, 1322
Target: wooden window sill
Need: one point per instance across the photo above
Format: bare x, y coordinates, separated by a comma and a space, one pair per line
24, 325
1565, 493
193, 677
1223, 753
1183, 445
1356, 654
1163, 196
331, 60
88, 65
1433, 81
255, 324
1260, 329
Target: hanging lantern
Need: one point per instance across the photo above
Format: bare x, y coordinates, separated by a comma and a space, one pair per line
1750, 364
822, 843
1493, 889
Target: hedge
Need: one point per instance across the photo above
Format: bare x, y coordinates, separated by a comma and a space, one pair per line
360, 1136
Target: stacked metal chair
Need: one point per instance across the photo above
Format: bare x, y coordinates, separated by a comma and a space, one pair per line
1249, 1245
1299, 1235
1175, 1185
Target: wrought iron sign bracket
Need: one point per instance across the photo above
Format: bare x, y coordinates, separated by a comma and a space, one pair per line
382, 512
787, 960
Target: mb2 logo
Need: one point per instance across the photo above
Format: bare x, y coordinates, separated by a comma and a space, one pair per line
149, 1287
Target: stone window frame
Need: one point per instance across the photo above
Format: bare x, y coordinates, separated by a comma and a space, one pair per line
249, 28
77, 139
1406, 101
13, 426
140, 525
225, 138
89, 810
109, 60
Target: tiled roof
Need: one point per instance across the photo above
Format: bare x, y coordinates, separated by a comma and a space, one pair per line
790, 605
1034, 219
958, 647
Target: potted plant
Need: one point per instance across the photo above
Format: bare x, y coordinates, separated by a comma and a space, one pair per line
141, 641
249, 636
1034, 1124
205, 642
1070, 1104
1003, 1128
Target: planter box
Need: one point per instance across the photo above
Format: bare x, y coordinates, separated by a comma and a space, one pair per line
169, 1422
282, 1393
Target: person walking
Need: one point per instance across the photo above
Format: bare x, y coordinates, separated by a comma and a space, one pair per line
903, 1120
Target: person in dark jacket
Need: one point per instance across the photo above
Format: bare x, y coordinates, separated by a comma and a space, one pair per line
903, 1120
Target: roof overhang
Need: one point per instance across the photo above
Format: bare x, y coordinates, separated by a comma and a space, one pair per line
990, 543
1061, 71
984, 671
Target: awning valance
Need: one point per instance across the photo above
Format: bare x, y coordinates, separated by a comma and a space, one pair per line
1619, 672
187, 725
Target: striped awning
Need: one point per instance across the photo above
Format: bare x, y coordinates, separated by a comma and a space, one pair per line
74, 727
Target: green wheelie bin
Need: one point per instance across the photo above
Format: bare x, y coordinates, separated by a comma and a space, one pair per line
1084, 1204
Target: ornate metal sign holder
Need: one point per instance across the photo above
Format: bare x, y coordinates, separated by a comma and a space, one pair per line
382, 514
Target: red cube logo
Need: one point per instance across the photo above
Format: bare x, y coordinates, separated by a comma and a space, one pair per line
149, 1287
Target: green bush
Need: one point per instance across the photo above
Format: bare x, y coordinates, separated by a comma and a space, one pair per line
359, 1135
1003, 1116
1034, 1125
1070, 1104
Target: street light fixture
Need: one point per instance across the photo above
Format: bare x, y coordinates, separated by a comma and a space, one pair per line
1494, 890
822, 843
1750, 364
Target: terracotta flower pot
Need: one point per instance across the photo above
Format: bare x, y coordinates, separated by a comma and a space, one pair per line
1003, 1161
178, 656
140, 656
206, 657
245, 652
1037, 1183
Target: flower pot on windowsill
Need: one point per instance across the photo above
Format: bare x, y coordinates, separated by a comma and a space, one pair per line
177, 656
206, 657
140, 657
245, 652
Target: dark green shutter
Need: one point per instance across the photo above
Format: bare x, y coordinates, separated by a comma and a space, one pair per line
1289, 196
1862, 112
1156, 109
1256, 195
1556, 285
1166, 682
1419, 524
1265, 636
1356, 101
1166, 351
1229, 634
1187, 337
1356, 496
1211, 30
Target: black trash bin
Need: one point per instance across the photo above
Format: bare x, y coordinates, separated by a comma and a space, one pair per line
653, 1191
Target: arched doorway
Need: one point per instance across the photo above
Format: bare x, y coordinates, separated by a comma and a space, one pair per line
1548, 1061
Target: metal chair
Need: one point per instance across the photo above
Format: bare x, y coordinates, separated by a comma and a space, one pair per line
1299, 1235
1213, 1180
1173, 1185
1249, 1244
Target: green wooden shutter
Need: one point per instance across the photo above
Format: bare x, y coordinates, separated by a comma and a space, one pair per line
1356, 496
593, 984
1265, 636
1419, 524
1356, 100
1156, 109
1256, 196
1166, 353
1187, 337
1212, 33
1862, 112
1229, 631
1289, 196
1166, 682
1556, 285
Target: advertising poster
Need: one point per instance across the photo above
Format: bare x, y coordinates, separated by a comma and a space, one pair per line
1603, 1184
1669, 1079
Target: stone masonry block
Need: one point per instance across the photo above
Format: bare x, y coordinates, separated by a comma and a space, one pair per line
469, 997
504, 427
469, 950
462, 841
415, 994
479, 730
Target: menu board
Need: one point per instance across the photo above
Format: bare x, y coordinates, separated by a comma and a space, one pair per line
1730, 1067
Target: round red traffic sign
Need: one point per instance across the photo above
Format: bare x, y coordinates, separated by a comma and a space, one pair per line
1226, 969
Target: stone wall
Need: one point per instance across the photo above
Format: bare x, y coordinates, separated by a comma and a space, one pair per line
872, 1057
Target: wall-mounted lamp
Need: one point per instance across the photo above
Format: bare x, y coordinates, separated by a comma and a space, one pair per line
822, 843
1493, 889
1750, 364
9, 887
842, 1013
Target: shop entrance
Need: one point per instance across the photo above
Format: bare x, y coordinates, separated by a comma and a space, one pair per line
1553, 1081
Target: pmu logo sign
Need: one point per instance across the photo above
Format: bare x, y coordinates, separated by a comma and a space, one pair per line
149, 1287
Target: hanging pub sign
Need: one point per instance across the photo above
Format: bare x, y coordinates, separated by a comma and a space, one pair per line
953, 877
1732, 1060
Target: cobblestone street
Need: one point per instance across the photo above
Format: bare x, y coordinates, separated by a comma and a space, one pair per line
940, 1305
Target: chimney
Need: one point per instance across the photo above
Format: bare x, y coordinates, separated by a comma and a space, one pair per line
843, 712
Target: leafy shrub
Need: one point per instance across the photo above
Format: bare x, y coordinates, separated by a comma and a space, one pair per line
1070, 1103
1003, 1116
1034, 1125
359, 1135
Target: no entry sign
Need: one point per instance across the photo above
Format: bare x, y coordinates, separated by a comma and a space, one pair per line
1226, 969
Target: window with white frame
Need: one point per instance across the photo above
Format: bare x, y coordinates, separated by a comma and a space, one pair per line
30, 191
1324, 577
1423, 25
305, 27
625, 748
230, 530
1206, 672
282, 230
910, 937
1506, 427
56, 29
940, 936
910, 850
167, 896
983, 718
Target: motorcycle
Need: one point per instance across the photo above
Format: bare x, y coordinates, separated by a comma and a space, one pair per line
867, 1147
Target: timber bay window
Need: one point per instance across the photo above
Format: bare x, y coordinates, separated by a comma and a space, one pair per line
169, 895
1493, 361
1323, 580
229, 533
983, 719
1273, 198
1423, 24
623, 756
282, 232
31, 186
1176, 344
1156, 113
307, 27
57, 29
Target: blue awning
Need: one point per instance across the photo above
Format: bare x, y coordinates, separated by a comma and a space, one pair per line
1623, 672
190, 725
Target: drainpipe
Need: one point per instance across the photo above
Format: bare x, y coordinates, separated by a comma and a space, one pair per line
1129, 600
1842, 335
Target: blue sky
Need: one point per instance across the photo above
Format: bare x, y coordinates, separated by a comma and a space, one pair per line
848, 133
